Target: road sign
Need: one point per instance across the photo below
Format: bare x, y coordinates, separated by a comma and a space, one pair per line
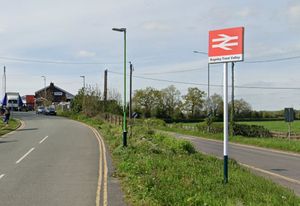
226, 45
289, 114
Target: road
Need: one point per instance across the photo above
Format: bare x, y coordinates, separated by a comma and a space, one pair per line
55, 161
281, 167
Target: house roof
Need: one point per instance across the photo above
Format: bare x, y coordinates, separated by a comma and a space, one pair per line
68, 94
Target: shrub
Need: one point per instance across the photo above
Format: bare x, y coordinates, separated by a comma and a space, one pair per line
251, 130
215, 127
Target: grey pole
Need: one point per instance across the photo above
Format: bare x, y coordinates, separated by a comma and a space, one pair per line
83, 82
232, 99
130, 91
4, 80
45, 93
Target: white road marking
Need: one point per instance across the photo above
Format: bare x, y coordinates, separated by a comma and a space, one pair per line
43, 139
1, 176
17, 162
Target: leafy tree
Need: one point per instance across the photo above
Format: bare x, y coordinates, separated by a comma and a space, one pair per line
76, 103
171, 100
194, 101
241, 108
146, 101
215, 104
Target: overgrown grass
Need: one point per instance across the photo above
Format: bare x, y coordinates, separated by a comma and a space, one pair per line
272, 143
156, 169
12, 125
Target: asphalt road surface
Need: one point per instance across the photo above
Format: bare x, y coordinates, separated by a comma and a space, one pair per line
281, 167
55, 161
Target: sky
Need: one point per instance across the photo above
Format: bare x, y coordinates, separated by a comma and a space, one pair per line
161, 36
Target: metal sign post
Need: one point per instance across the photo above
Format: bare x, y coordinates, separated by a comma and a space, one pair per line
225, 145
226, 45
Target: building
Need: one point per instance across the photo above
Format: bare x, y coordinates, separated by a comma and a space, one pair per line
52, 94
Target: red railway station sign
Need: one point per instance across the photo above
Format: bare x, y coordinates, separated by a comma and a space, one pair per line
226, 45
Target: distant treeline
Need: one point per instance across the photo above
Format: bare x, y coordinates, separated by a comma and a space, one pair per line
170, 105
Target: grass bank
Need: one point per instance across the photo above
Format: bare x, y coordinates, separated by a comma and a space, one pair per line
12, 125
156, 169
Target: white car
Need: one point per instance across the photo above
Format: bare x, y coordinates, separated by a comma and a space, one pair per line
41, 110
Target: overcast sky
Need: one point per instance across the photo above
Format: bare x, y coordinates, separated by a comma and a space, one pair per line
161, 36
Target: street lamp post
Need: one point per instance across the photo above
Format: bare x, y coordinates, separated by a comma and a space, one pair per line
208, 73
124, 106
83, 87
44, 86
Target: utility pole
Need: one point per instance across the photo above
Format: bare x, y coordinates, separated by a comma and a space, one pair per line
130, 91
45, 93
105, 89
83, 82
232, 99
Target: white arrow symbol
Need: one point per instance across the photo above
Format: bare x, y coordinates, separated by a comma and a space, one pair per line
224, 42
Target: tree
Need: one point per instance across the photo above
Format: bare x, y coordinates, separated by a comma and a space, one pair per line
242, 108
215, 104
76, 103
146, 101
193, 100
171, 100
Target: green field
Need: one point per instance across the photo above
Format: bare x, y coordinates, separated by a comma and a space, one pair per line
156, 169
277, 126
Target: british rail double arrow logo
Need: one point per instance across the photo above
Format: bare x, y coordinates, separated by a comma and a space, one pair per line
225, 42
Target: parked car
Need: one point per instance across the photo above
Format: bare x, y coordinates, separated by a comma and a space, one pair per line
50, 111
40, 110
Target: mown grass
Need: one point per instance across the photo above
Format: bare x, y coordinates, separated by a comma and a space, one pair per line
156, 169
272, 143
12, 125
277, 126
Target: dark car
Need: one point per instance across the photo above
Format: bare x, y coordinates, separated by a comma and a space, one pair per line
50, 111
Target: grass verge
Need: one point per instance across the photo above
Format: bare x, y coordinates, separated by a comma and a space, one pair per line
271, 143
12, 125
156, 169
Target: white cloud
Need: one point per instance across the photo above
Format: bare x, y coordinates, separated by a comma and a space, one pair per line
84, 53
156, 26
294, 12
244, 12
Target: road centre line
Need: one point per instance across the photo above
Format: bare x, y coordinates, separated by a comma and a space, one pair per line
18, 161
1, 176
43, 140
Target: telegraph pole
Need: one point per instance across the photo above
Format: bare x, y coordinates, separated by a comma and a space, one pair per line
105, 89
130, 91
232, 99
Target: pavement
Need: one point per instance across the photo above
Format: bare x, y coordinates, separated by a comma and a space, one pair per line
56, 161
281, 167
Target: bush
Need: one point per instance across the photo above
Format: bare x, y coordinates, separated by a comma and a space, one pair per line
215, 127
251, 130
